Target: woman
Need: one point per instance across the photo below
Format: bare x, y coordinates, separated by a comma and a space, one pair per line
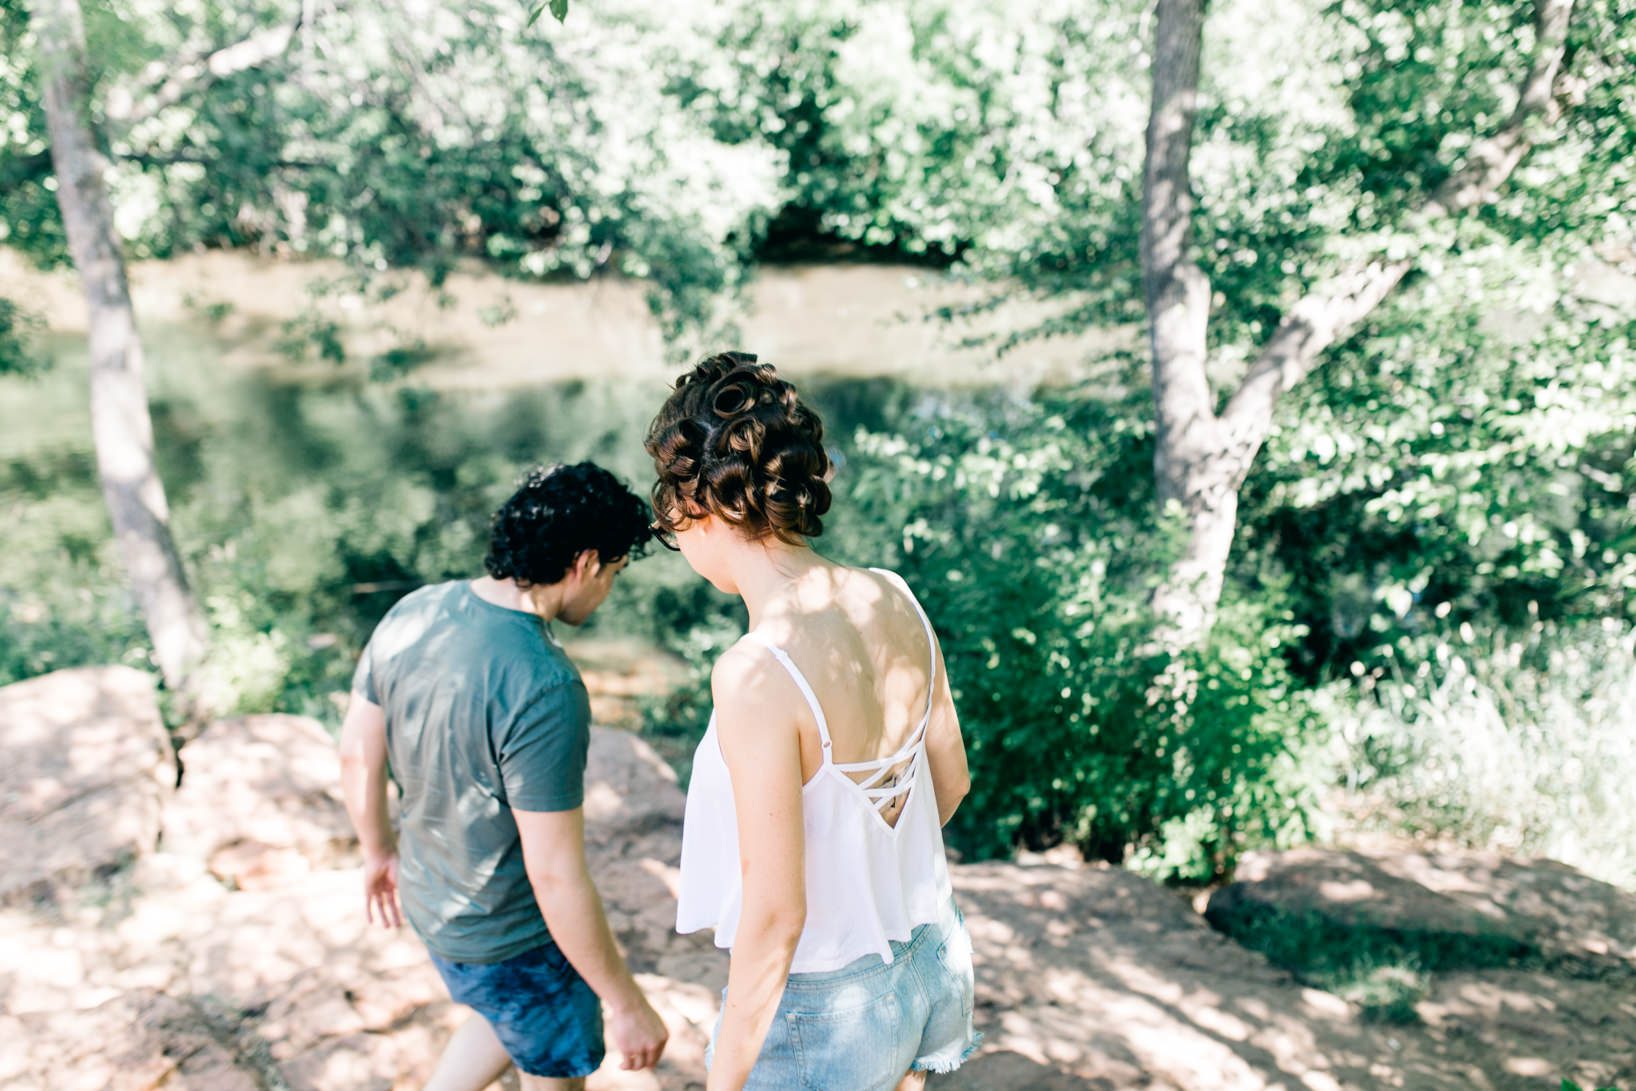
813, 840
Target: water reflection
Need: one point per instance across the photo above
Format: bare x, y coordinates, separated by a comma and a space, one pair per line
307, 500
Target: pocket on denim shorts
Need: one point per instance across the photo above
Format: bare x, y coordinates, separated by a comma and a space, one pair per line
850, 1048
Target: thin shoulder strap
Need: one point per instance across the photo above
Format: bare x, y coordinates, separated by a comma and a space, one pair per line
931, 640
801, 684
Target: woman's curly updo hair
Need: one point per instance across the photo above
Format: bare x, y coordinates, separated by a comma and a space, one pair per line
559, 512
734, 440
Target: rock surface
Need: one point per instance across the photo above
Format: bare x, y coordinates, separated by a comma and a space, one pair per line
1475, 895
1098, 974
258, 801
188, 968
87, 766
135, 1041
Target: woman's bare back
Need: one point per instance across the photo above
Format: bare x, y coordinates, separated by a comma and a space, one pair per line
863, 648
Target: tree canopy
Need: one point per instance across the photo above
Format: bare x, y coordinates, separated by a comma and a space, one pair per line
1459, 461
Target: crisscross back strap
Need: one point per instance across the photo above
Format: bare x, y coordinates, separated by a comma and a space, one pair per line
878, 769
877, 790
801, 684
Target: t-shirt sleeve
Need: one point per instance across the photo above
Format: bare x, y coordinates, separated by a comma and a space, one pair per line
363, 679
542, 750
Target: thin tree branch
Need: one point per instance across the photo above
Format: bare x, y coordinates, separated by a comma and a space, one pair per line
38, 160
174, 83
1334, 308
405, 52
173, 159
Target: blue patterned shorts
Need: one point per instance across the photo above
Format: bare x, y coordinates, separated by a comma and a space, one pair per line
543, 1012
862, 1027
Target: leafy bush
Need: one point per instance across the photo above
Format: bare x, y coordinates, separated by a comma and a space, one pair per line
1025, 529
19, 340
67, 624
62, 603
1414, 484
1519, 743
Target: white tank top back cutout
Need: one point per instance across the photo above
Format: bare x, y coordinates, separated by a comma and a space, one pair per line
869, 881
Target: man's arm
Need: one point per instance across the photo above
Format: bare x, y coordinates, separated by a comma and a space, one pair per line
554, 855
363, 785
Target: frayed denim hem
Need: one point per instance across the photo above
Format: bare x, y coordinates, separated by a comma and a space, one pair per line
942, 1064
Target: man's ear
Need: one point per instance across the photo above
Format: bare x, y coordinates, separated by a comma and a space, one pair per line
587, 564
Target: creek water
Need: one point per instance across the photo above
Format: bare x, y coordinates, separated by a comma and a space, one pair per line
437, 404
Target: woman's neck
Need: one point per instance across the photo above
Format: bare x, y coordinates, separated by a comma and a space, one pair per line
766, 571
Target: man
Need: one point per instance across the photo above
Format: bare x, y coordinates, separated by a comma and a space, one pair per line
467, 702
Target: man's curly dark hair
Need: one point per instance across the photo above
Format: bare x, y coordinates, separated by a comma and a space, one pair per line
556, 514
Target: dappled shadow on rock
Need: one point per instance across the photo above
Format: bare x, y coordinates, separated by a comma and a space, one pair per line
1096, 974
633, 818
176, 970
1005, 1069
1539, 903
1521, 970
87, 769
275, 969
136, 1041
259, 801
1099, 975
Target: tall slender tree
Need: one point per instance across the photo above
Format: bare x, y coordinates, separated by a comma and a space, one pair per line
1203, 455
120, 422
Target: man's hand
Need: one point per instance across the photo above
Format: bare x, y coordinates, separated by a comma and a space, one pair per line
381, 890
638, 1033
363, 785
554, 854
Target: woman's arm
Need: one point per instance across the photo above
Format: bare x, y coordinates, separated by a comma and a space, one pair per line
761, 743
945, 748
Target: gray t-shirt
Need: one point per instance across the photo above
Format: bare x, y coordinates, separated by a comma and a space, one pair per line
484, 713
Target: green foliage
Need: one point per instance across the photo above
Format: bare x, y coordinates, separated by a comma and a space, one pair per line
1463, 463
1026, 530
61, 603
930, 129
559, 11
1448, 505
68, 623
1522, 743
1414, 484
1006, 141
393, 141
19, 336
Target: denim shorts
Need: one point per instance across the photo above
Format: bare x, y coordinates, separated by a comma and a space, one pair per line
543, 1012
866, 1025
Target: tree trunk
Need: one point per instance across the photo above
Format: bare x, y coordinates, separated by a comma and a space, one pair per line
1202, 458
1187, 459
120, 423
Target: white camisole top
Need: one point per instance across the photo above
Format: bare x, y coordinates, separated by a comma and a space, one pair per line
868, 882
